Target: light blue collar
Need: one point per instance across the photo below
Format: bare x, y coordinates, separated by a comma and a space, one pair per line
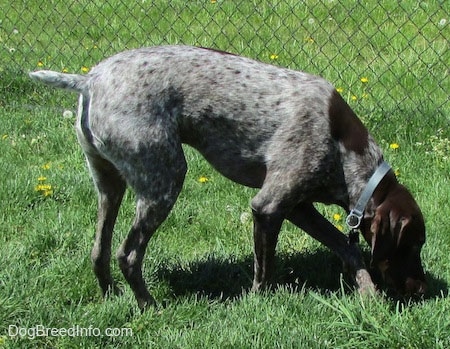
355, 216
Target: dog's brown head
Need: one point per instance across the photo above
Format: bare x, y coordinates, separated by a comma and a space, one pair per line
395, 230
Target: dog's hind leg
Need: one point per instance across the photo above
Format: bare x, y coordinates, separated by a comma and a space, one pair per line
110, 188
156, 174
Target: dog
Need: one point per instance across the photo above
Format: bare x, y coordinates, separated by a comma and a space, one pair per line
286, 132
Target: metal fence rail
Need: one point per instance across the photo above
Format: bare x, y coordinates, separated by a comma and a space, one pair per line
395, 50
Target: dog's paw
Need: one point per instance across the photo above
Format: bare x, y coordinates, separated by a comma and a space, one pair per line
365, 283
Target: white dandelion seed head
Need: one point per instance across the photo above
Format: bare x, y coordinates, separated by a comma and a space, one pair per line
67, 114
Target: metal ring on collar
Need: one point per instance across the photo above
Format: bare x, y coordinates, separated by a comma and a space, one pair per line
353, 220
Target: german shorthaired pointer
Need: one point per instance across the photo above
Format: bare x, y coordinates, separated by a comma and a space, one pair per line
283, 131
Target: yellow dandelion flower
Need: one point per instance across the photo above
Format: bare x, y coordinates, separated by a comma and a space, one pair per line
340, 90
46, 166
40, 64
213, 1
42, 179
397, 172
84, 69
65, 70
364, 80
44, 189
394, 146
339, 227
203, 179
273, 56
4, 137
354, 98
337, 217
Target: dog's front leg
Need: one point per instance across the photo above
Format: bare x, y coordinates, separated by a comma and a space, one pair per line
265, 234
307, 218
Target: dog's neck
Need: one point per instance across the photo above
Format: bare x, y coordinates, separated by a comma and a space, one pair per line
358, 168
383, 188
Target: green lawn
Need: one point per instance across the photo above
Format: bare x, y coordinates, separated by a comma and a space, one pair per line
199, 264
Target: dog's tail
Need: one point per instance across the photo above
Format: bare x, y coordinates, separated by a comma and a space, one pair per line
71, 82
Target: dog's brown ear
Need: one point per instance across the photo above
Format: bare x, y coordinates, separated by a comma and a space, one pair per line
404, 222
374, 231
381, 237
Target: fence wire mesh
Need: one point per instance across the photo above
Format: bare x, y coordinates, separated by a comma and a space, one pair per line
381, 55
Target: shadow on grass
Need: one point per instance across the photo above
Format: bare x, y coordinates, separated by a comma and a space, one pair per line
227, 279
221, 279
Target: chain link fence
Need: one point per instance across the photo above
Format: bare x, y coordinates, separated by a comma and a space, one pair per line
384, 56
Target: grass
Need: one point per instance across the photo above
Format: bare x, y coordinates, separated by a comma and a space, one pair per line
199, 264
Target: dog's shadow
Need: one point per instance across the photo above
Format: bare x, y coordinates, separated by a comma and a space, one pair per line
225, 279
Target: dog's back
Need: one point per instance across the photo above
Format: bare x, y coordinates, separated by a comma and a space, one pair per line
230, 108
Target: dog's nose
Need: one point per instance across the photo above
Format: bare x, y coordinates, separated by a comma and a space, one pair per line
415, 287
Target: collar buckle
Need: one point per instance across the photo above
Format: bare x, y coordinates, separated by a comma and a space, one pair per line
355, 216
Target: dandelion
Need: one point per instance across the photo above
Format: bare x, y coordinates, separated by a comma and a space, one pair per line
84, 69
67, 114
339, 90
394, 146
4, 137
213, 1
245, 217
273, 56
65, 70
46, 166
203, 179
44, 189
337, 217
40, 64
364, 80
397, 172
354, 98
